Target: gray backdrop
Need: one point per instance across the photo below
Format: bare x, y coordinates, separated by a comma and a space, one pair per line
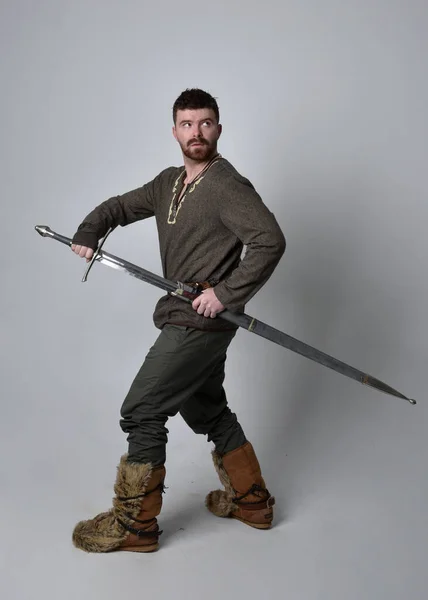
324, 108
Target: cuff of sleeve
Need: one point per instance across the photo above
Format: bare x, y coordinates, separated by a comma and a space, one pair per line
86, 238
225, 298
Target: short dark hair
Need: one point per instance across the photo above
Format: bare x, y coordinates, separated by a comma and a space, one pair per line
194, 99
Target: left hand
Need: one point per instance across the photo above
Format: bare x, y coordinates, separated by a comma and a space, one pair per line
208, 304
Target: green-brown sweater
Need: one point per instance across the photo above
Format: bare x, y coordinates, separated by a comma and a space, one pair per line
216, 217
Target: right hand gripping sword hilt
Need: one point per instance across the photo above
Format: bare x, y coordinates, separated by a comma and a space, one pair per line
95, 255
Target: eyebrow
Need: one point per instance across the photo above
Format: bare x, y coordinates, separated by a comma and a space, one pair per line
200, 120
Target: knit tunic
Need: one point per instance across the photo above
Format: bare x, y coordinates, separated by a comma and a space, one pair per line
202, 239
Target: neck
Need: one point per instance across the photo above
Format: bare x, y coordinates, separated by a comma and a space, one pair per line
194, 167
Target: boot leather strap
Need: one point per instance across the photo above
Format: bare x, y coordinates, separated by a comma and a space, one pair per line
257, 505
140, 532
269, 501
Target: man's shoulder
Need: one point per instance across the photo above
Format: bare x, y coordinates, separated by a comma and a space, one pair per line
225, 172
169, 174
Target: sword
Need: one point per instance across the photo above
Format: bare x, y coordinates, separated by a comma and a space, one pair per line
188, 293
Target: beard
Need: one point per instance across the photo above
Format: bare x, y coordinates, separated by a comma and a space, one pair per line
199, 153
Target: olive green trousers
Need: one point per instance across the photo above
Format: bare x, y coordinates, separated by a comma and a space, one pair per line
183, 372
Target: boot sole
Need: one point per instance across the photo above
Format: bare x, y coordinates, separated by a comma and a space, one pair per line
152, 548
255, 525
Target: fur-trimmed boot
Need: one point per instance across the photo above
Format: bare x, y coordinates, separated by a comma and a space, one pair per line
131, 524
245, 496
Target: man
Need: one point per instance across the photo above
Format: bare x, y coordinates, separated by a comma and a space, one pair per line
206, 212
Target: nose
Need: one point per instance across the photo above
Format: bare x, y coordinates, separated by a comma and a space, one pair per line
197, 130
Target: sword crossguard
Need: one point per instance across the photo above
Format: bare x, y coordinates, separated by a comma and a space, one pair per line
95, 255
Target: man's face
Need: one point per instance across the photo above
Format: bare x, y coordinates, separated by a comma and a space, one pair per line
197, 132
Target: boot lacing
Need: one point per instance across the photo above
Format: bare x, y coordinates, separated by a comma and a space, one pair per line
134, 530
256, 490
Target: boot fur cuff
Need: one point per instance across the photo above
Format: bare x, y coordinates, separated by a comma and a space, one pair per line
220, 502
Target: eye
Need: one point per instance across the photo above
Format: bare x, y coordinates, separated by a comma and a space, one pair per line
207, 123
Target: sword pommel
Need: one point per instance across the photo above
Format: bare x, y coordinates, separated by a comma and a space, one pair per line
412, 401
43, 230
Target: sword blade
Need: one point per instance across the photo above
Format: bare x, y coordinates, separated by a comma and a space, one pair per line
188, 294
130, 269
299, 347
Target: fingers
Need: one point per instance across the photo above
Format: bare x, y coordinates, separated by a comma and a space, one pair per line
207, 305
207, 312
202, 308
82, 251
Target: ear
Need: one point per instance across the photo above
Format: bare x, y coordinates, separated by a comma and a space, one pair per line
219, 129
174, 133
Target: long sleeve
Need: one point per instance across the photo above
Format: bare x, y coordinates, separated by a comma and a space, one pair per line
121, 210
243, 212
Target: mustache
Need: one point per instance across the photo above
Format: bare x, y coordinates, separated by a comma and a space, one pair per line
199, 141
